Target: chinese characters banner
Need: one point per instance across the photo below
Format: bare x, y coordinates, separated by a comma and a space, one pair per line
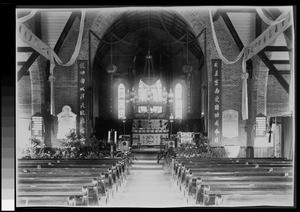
217, 100
82, 102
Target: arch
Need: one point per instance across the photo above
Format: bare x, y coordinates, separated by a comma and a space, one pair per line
130, 21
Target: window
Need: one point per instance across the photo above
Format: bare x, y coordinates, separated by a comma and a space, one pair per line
121, 101
178, 101
155, 90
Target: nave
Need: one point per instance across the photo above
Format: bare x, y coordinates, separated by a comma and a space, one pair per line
148, 186
213, 87
185, 182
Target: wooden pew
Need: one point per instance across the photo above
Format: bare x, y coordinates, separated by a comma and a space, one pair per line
44, 185
235, 184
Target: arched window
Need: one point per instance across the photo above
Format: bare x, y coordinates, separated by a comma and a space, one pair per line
178, 101
121, 101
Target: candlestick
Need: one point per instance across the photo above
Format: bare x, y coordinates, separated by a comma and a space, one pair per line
115, 137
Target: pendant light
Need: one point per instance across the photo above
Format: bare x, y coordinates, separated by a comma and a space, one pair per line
187, 68
111, 68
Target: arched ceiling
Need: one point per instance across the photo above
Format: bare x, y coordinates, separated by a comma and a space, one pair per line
165, 27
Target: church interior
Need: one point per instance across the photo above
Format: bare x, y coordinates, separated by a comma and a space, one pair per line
155, 106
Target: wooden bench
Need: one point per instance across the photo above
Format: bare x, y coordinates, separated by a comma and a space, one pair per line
224, 178
62, 182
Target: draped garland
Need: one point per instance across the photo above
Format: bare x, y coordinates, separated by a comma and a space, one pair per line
267, 20
38, 45
276, 27
32, 40
44, 49
244, 73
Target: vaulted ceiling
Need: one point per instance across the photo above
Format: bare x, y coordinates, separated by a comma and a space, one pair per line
163, 29
166, 28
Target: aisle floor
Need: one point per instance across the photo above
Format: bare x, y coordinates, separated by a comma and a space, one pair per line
148, 186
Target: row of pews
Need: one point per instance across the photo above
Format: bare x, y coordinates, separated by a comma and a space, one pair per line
234, 181
73, 182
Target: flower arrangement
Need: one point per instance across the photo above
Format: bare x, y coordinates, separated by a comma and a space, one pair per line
34, 150
74, 147
190, 150
201, 149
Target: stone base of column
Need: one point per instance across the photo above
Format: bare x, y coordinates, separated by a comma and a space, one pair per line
249, 152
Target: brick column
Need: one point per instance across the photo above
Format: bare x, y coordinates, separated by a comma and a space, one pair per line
37, 88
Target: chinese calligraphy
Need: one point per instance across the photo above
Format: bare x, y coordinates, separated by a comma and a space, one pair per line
217, 97
82, 77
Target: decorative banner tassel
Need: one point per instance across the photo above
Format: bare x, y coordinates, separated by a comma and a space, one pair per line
245, 76
52, 99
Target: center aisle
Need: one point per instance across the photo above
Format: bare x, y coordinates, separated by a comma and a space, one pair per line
148, 186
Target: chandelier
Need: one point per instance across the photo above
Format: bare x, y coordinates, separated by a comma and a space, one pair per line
150, 80
111, 68
187, 68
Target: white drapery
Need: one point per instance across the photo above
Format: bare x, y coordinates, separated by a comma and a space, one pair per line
34, 42
267, 37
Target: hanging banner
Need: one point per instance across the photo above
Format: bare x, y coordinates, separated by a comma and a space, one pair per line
268, 36
82, 102
217, 100
34, 42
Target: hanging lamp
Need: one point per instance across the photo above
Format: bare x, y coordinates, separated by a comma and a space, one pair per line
111, 68
187, 68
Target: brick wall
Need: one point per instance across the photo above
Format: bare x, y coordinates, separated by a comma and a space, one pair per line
99, 21
277, 97
231, 74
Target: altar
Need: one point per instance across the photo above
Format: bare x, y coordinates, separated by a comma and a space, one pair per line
150, 101
149, 132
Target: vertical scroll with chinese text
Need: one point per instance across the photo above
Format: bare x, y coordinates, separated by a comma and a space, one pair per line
82, 102
217, 100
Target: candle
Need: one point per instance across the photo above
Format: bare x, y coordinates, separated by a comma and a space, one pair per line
115, 137
108, 139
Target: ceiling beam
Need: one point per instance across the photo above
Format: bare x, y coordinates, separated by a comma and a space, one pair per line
282, 72
275, 14
280, 62
277, 49
173, 25
62, 37
27, 65
66, 30
232, 30
216, 16
25, 49
274, 71
21, 63
244, 10
258, 25
38, 25
38, 32
235, 37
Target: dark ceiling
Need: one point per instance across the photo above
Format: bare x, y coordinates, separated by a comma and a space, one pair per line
165, 30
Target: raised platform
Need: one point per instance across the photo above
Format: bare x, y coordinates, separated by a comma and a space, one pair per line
147, 149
